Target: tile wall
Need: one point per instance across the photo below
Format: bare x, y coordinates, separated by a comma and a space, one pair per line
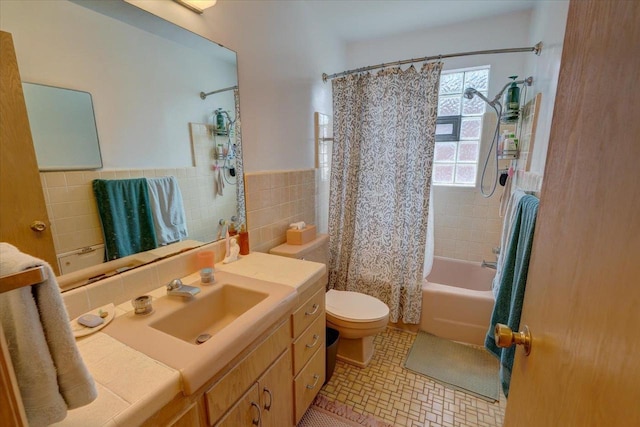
467, 225
73, 212
274, 200
135, 282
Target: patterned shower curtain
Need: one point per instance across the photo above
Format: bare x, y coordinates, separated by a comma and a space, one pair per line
384, 136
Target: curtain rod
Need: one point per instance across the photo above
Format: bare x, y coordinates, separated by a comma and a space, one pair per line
204, 95
535, 49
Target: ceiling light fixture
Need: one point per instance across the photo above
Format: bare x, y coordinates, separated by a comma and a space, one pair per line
197, 6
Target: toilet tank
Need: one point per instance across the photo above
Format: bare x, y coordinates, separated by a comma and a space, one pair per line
316, 250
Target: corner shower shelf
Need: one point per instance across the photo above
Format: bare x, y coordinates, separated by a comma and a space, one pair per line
508, 154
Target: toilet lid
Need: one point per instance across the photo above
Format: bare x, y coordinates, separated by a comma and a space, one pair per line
354, 306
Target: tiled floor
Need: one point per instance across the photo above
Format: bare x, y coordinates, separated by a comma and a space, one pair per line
400, 397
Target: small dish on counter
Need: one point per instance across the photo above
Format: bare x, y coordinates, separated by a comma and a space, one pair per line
81, 330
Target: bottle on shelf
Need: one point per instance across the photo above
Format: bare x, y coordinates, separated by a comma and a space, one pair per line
501, 141
243, 240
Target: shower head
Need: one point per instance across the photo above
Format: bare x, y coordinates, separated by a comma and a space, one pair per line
470, 92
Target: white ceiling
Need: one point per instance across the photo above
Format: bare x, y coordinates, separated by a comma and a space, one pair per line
354, 20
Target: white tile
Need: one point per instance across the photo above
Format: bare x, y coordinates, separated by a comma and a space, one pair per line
100, 412
105, 291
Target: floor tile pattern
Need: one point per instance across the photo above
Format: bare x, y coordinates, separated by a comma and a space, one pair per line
398, 396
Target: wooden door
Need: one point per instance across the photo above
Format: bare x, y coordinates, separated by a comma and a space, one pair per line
21, 196
582, 301
276, 386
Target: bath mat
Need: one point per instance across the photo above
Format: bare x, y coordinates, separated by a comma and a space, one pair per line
324, 412
463, 367
316, 417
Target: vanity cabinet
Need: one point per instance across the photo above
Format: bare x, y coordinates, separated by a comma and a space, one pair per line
245, 412
268, 402
308, 327
272, 383
268, 368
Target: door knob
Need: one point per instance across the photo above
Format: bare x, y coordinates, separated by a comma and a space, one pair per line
38, 226
505, 337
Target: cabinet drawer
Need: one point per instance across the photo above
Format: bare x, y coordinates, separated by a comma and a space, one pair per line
308, 312
222, 395
306, 345
308, 382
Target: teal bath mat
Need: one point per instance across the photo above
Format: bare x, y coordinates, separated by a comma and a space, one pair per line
469, 369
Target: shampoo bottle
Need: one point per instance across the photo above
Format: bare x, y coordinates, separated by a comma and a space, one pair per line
513, 97
243, 240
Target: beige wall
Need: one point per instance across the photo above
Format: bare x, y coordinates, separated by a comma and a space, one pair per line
274, 200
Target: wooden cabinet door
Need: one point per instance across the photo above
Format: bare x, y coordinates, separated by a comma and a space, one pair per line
246, 412
21, 196
276, 388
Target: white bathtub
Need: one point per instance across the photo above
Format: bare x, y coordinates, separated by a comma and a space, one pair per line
457, 300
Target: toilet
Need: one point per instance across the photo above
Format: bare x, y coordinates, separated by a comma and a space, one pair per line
357, 317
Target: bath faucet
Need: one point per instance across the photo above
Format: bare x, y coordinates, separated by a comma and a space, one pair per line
177, 288
489, 264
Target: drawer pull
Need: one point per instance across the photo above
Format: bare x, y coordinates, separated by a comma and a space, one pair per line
256, 421
267, 406
316, 377
315, 310
316, 337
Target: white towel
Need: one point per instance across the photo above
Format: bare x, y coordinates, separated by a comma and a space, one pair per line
167, 209
51, 374
218, 183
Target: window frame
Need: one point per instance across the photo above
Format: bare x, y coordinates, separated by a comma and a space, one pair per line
456, 135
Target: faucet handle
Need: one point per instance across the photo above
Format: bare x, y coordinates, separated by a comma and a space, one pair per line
174, 285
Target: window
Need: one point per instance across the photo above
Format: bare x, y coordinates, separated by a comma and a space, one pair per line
459, 127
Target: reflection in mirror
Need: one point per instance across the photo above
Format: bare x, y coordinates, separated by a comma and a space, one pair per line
62, 122
145, 76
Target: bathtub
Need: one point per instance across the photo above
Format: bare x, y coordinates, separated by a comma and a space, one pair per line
457, 300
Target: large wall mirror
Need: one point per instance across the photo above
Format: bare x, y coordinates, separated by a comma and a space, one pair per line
145, 76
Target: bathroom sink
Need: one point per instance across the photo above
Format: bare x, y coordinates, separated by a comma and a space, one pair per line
208, 314
224, 318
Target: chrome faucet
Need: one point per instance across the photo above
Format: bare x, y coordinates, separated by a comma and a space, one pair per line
177, 288
489, 264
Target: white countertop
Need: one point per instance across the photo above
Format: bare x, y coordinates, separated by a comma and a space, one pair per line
272, 268
131, 386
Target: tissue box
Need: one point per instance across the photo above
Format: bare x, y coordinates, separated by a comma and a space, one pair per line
300, 237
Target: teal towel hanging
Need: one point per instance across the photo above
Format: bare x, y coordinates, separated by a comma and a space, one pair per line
510, 295
125, 213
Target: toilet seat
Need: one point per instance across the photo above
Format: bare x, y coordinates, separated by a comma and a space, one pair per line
355, 307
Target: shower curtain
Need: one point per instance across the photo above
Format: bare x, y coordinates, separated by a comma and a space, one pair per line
384, 136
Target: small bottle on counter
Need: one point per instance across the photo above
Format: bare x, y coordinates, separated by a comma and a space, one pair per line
206, 275
243, 240
232, 229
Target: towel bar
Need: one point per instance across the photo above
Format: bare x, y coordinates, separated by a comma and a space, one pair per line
23, 278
